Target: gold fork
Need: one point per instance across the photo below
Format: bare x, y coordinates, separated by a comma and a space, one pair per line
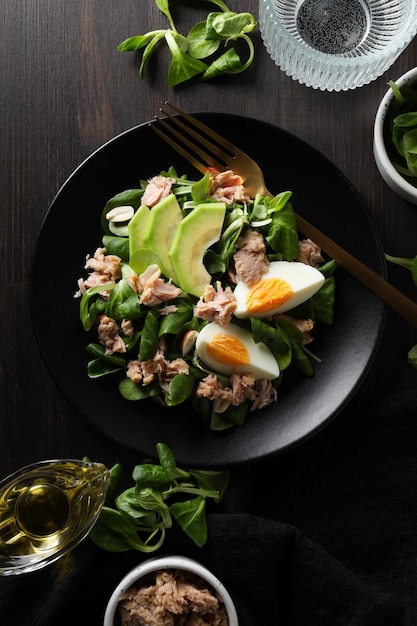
213, 150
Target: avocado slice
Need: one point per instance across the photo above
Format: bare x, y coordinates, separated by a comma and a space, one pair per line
160, 232
199, 230
137, 228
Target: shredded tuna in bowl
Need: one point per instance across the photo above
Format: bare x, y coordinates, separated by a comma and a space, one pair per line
170, 591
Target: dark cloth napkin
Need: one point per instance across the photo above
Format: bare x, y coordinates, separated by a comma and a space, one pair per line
323, 535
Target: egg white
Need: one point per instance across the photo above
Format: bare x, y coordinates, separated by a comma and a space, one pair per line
262, 363
304, 280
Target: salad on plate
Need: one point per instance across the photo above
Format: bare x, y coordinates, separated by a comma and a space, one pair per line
202, 296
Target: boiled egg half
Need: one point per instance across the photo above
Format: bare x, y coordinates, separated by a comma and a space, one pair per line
232, 349
285, 285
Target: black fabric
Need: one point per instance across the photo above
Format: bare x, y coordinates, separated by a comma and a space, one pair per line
324, 535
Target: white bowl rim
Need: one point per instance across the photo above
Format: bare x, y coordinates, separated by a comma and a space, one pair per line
169, 562
398, 183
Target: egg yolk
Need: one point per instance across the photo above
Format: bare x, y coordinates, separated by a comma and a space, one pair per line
228, 350
267, 295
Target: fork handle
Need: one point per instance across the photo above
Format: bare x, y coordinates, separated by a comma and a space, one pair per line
375, 283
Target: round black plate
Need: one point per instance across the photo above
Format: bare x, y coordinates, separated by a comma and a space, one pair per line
72, 229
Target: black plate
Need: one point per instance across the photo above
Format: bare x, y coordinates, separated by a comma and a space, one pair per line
72, 229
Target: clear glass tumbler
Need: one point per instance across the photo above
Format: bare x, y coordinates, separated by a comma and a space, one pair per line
336, 45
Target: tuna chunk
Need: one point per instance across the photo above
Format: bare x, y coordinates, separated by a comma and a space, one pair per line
227, 187
159, 367
172, 598
216, 305
152, 288
309, 253
158, 187
104, 268
242, 387
250, 259
108, 335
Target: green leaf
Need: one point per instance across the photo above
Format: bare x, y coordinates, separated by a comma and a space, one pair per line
118, 246
136, 43
166, 459
151, 499
198, 46
401, 130
301, 360
135, 391
190, 515
274, 338
99, 352
216, 480
127, 502
201, 188
407, 263
116, 473
232, 416
89, 308
202, 42
412, 357
163, 6
228, 25
222, 252
142, 509
328, 268
150, 475
220, 4
219, 421
149, 337
183, 66
414, 270
396, 91
323, 302
97, 369
406, 120
282, 233
123, 302
115, 533
180, 389
174, 322
227, 64
147, 53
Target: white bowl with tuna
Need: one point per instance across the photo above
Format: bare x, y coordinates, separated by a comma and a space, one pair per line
170, 588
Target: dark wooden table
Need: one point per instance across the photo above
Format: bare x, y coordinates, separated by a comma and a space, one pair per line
65, 90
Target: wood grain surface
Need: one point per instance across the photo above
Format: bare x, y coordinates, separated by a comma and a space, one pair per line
65, 90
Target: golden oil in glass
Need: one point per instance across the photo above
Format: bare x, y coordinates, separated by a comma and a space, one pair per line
46, 509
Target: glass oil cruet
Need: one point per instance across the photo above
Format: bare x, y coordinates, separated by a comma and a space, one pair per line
46, 509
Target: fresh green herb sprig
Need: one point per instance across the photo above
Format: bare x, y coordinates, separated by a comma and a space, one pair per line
207, 51
141, 514
411, 265
401, 130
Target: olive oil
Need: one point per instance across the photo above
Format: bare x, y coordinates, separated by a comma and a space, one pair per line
46, 509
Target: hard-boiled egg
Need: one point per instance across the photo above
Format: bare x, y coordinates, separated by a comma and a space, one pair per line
231, 348
285, 285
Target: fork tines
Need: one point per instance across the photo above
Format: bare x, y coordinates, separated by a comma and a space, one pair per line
197, 148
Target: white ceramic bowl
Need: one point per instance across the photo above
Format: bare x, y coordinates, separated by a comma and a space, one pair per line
394, 179
166, 563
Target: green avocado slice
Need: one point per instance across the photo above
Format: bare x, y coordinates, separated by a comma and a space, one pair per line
137, 228
160, 232
199, 230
